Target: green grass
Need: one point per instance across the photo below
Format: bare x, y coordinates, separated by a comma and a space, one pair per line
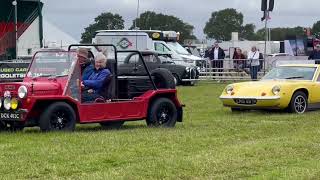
211, 143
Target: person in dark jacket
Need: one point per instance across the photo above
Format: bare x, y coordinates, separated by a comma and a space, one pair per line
315, 55
83, 58
216, 55
93, 79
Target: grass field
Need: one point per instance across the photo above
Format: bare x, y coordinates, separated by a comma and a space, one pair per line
211, 143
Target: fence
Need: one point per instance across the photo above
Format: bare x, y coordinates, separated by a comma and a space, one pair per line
239, 69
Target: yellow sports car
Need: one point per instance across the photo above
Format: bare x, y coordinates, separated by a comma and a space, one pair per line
295, 88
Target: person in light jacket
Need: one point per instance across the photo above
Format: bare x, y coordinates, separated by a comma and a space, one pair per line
253, 57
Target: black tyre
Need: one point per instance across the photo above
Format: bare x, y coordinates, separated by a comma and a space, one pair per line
162, 113
298, 103
112, 125
3, 126
59, 116
163, 78
177, 80
236, 110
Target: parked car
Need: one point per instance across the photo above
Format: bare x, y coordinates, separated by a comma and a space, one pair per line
50, 97
279, 55
132, 65
292, 87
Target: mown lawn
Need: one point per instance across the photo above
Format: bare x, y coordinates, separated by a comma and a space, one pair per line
211, 143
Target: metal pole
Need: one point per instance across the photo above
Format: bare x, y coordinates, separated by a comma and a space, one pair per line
138, 6
266, 39
14, 3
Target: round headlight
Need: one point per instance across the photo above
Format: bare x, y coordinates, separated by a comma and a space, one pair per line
229, 89
7, 103
276, 90
22, 92
0, 102
187, 69
14, 103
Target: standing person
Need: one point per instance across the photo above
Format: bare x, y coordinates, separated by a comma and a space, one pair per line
238, 59
315, 54
253, 57
216, 55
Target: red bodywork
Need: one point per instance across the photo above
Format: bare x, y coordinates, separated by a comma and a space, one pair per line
42, 91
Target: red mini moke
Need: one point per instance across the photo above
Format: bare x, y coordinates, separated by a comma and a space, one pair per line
50, 96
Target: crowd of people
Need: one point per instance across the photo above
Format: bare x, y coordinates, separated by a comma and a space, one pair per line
252, 60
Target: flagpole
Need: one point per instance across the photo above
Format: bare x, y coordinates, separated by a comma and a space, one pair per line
138, 7
14, 3
266, 38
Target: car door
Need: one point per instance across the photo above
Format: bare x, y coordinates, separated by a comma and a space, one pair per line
315, 91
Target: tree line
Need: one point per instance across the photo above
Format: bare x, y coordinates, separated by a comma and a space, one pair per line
219, 26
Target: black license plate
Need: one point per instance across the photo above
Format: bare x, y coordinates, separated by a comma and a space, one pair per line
246, 101
10, 116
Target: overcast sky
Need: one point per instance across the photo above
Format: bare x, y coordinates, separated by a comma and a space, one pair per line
72, 16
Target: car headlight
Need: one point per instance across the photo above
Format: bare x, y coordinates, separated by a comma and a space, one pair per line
7, 103
276, 90
22, 92
0, 102
229, 89
187, 69
14, 103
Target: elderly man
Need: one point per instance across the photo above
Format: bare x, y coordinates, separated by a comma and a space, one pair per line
93, 79
84, 61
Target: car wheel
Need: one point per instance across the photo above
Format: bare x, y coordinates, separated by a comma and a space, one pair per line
163, 78
59, 116
3, 126
298, 103
236, 110
112, 125
162, 113
176, 79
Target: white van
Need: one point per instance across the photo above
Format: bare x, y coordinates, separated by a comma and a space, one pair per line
160, 41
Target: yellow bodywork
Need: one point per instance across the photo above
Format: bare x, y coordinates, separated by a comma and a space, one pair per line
261, 91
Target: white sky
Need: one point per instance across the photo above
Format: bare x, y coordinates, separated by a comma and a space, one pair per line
72, 16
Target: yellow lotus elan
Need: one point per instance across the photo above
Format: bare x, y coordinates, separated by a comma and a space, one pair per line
295, 88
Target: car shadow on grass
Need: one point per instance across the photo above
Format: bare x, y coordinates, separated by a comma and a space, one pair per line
87, 128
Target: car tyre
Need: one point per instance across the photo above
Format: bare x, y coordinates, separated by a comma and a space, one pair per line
298, 103
59, 116
162, 113
112, 125
177, 80
236, 109
163, 78
3, 126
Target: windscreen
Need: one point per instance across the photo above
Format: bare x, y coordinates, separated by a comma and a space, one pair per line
297, 73
51, 64
178, 48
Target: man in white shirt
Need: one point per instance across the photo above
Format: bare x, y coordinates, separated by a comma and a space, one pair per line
253, 57
216, 56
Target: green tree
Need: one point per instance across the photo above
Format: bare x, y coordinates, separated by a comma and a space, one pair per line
247, 32
316, 28
281, 34
104, 21
151, 20
222, 23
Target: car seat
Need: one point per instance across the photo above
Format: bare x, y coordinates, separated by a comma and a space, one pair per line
108, 91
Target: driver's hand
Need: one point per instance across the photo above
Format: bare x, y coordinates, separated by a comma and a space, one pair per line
82, 85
